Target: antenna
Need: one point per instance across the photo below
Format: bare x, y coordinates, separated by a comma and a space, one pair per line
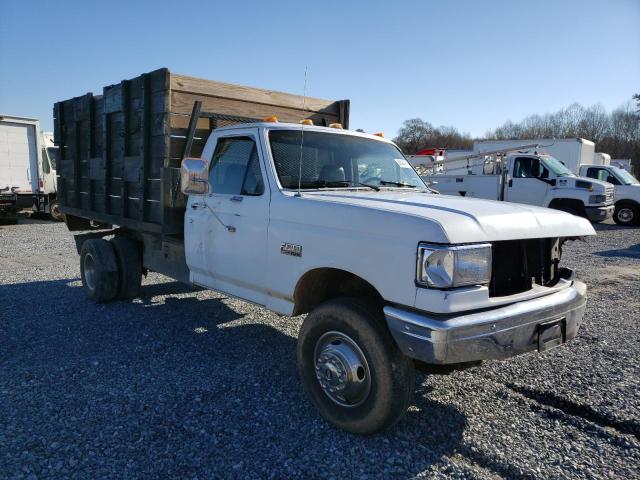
304, 107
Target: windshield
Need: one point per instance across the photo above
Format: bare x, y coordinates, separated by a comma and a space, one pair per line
625, 177
556, 166
332, 160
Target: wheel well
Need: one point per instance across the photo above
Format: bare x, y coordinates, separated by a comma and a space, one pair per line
627, 201
568, 204
322, 284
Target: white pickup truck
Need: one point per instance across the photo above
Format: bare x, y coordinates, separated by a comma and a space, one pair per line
626, 194
525, 177
336, 224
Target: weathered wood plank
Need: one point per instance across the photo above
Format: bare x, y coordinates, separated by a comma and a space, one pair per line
182, 102
202, 87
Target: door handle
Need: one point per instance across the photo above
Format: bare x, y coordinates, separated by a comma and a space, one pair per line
236, 198
197, 205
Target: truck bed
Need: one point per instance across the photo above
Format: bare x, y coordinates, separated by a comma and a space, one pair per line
120, 152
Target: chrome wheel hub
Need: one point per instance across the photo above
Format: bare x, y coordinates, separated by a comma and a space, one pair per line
341, 369
625, 215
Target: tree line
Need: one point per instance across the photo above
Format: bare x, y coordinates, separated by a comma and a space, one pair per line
616, 133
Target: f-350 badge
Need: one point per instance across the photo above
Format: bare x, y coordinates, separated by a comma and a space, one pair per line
291, 249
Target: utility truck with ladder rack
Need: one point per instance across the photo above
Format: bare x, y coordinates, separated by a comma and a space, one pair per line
180, 176
520, 174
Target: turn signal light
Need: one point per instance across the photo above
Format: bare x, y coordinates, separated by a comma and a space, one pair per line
306, 121
270, 119
335, 125
379, 134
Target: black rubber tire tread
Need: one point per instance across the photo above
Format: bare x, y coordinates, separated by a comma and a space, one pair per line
59, 217
130, 266
634, 209
106, 265
392, 373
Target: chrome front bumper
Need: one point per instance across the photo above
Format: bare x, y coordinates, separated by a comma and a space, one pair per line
499, 333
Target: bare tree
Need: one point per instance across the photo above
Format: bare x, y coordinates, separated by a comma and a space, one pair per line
416, 135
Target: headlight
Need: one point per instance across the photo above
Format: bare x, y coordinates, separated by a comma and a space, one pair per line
442, 266
597, 198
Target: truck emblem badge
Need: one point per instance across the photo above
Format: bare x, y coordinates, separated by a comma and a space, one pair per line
291, 249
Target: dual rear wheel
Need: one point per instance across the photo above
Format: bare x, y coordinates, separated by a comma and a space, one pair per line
111, 269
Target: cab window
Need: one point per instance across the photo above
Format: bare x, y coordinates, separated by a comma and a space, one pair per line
528, 167
235, 168
602, 174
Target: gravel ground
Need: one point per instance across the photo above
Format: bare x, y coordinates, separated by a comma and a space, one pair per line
192, 384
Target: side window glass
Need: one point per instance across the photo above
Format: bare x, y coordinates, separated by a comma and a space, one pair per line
235, 168
525, 167
592, 172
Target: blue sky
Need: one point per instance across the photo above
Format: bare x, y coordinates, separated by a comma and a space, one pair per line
470, 64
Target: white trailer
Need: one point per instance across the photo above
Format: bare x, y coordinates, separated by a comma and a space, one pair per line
27, 180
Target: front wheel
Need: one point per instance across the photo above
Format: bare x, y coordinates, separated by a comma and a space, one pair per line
626, 214
351, 368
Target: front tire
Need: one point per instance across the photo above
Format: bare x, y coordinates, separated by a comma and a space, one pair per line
626, 214
351, 368
99, 270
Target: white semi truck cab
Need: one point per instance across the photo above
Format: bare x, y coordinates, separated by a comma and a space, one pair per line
527, 178
626, 194
322, 221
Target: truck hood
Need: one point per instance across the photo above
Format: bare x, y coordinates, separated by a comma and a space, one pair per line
463, 220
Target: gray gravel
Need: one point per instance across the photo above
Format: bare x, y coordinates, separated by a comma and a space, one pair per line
191, 384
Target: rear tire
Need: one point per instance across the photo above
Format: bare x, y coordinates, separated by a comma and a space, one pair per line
54, 211
99, 270
129, 266
351, 368
626, 214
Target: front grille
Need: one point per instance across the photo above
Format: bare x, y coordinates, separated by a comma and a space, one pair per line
518, 264
609, 194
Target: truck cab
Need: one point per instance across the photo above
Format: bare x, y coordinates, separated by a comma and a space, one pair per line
626, 191
544, 180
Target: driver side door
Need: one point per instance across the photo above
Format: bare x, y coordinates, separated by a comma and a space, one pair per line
228, 226
527, 181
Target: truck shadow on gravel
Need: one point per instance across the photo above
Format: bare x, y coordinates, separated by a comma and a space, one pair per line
178, 385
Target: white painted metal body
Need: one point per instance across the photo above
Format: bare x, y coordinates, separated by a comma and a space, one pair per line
20, 152
236, 245
623, 191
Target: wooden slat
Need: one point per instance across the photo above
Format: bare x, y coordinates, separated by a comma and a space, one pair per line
183, 103
199, 86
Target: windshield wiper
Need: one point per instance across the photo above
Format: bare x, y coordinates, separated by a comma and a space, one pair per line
335, 183
373, 187
397, 184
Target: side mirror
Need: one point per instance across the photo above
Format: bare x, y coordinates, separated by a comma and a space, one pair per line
193, 176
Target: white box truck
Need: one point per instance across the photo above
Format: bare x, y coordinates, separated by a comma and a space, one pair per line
27, 168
